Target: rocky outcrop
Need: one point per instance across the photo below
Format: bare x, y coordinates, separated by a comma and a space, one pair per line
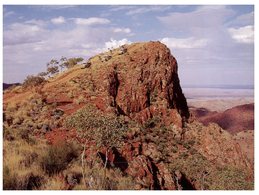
140, 83
142, 162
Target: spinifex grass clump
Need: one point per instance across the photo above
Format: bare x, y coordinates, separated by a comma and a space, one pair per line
58, 156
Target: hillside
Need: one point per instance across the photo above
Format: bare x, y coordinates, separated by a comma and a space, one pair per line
120, 122
234, 120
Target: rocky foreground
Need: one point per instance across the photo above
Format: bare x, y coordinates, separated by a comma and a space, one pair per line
126, 112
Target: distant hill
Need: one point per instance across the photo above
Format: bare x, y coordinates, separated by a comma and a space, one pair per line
7, 85
233, 120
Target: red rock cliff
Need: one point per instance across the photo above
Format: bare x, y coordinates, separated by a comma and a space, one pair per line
140, 82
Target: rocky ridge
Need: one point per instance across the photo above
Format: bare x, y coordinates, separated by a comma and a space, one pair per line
140, 83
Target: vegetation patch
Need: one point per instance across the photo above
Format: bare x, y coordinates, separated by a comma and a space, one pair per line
58, 156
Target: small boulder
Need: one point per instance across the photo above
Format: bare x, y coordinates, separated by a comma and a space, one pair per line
122, 50
45, 128
73, 179
58, 113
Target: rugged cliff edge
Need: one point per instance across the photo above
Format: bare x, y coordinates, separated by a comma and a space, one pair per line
141, 82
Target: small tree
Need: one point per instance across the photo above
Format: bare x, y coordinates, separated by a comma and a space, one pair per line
52, 67
32, 81
79, 59
43, 74
71, 62
63, 63
106, 131
52, 70
52, 62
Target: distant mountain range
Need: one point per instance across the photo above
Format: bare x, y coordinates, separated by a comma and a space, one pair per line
220, 86
7, 85
234, 120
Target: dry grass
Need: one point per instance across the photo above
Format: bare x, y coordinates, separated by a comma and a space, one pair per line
27, 166
64, 77
20, 170
57, 157
53, 183
43, 167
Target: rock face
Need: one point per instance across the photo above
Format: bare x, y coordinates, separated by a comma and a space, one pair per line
139, 161
140, 83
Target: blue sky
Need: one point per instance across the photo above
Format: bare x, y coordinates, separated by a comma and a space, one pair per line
214, 45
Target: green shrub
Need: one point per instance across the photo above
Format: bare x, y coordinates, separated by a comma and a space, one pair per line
207, 176
104, 129
152, 122
32, 81
230, 178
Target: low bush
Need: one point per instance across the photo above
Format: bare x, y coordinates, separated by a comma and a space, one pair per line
207, 176
105, 130
58, 156
32, 81
230, 178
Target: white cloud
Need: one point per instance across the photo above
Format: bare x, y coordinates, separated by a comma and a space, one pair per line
53, 7
36, 22
62, 6
21, 33
146, 9
139, 9
58, 20
187, 43
24, 28
205, 17
112, 44
121, 30
86, 45
8, 13
91, 21
243, 34
242, 20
